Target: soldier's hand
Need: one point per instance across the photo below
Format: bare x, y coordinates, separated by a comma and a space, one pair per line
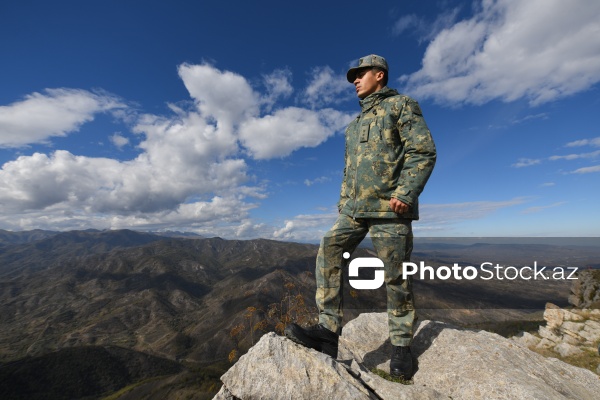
398, 207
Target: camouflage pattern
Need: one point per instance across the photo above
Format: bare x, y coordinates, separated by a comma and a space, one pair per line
366, 62
392, 239
389, 153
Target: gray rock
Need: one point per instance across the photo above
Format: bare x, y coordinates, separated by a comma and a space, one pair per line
572, 316
585, 289
277, 368
575, 300
526, 339
588, 336
452, 362
477, 365
572, 327
566, 350
224, 394
553, 315
594, 313
547, 333
280, 369
572, 338
545, 344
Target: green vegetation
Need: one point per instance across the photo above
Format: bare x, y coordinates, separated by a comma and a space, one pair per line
588, 359
391, 378
129, 388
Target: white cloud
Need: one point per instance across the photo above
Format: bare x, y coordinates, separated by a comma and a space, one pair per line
278, 86
288, 129
595, 142
536, 209
57, 112
539, 50
190, 173
406, 22
424, 29
118, 140
526, 162
321, 179
306, 228
223, 95
587, 170
436, 214
326, 88
592, 154
530, 117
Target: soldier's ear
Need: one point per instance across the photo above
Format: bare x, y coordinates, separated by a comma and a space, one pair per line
379, 75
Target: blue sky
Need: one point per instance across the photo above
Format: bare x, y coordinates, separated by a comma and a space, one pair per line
227, 118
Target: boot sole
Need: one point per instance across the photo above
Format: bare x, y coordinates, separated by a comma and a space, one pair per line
295, 334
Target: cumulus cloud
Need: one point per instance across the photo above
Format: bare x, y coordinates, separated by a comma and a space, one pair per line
224, 96
326, 88
307, 227
539, 50
278, 87
118, 140
288, 129
191, 172
56, 112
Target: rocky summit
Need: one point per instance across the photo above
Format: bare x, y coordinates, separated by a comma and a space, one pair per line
452, 363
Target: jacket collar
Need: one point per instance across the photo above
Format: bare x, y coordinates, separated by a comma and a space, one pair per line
375, 98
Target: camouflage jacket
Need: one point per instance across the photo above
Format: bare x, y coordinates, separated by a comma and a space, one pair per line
389, 153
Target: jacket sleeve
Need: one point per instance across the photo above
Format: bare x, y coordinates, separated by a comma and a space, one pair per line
343, 190
419, 153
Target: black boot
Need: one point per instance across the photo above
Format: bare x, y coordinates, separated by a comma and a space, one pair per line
401, 365
315, 337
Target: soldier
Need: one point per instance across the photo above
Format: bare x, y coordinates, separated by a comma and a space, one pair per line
390, 155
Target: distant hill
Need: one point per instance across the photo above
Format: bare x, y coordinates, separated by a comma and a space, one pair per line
11, 238
180, 298
174, 298
79, 372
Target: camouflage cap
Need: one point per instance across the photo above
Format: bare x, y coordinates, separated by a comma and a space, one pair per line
365, 62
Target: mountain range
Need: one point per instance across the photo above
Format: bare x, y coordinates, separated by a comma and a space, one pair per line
191, 300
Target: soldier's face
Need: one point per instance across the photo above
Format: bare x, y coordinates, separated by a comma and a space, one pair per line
367, 81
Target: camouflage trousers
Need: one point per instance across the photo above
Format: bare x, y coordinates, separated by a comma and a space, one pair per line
393, 241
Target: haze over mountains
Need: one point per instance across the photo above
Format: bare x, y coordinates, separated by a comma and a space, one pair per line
178, 298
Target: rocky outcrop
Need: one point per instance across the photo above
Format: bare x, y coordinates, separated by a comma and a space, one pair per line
452, 363
569, 332
585, 290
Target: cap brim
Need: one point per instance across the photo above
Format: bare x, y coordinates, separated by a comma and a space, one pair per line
351, 74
